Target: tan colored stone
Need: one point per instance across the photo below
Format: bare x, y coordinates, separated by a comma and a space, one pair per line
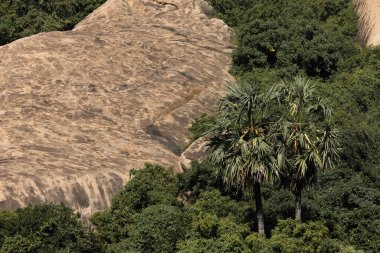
197, 151
369, 22
78, 109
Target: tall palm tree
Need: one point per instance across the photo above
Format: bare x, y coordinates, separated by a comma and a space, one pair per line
240, 145
304, 140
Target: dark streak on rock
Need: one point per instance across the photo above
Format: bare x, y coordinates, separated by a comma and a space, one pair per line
157, 135
80, 195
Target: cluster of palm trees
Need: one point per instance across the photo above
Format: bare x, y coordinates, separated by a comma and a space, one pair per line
282, 135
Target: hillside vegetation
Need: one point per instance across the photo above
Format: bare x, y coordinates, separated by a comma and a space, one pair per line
23, 18
196, 211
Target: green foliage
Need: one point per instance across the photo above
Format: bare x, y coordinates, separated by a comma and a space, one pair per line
317, 38
232, 12
157, 229
350, 192
7, 224
23, 18
120, 226
153, 185
239, 141
217, 224
278, 204
200, 126
210, 223
202, 176
213, 202
293, 237
349, 202
46, 228
304, 139
19, 244
354, 92
113, 225
299, 37
301, 237
210, 234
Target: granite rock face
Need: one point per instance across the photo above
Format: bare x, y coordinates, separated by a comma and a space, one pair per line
79, 109
369, 22
197, 151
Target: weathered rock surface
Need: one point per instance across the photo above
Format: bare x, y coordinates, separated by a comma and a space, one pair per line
78, 109
197, 151
369, 22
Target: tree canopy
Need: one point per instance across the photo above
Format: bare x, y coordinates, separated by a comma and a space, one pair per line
23, 18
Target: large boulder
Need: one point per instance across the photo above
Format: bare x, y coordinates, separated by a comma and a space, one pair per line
80, 108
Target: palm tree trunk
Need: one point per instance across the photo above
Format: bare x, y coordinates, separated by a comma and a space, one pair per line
259, 209
298, 206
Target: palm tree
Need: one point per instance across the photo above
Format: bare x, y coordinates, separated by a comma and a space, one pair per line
240, 145
304, 140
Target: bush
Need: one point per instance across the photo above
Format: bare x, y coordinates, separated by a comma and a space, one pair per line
113, 225
293, 237
305, 37
47, 228
212, 202
152, 185
23, 18
158, 229
210, 234
7, 224
199, 178
200, 126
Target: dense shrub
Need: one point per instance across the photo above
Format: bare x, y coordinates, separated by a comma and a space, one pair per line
201, 177
354, 92
210, 234
113, 225
26, 17
217, 224
293, 237
350, 203
45, 228
297, 36
158, 229
153, 185
150, 194
7, 224
200, 126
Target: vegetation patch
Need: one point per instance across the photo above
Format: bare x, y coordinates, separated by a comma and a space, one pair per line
23, 18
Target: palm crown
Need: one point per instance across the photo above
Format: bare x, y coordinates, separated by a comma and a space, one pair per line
283, 134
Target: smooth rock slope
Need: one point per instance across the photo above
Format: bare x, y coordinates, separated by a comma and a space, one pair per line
79, 109
369, 22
